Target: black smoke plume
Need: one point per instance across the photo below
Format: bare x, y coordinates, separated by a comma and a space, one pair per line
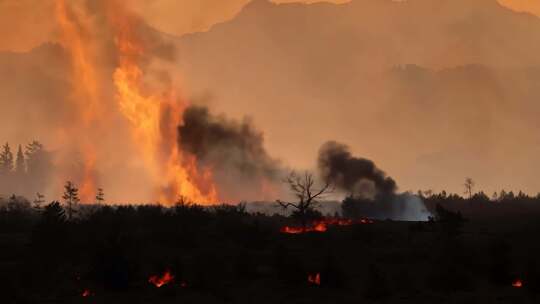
371, 193
234, 150
357, 176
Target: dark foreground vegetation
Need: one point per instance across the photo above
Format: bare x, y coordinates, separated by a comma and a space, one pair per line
223, 254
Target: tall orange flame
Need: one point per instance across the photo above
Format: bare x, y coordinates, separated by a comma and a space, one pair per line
152, 117
86, 94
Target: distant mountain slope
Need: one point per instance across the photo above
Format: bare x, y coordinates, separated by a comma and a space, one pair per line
441, 33
420, 86
433, 91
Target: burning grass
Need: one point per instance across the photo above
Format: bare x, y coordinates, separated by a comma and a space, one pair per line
235, 255
161, 280
314, 279
323, 224
518, 283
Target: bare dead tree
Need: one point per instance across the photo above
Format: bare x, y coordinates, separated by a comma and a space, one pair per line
303, 187
469, 185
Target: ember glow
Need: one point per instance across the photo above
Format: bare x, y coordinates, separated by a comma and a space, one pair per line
152, 115
314, 279
322, 225
517, 283
161, 280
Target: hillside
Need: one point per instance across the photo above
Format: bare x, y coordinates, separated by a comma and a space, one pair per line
357, 73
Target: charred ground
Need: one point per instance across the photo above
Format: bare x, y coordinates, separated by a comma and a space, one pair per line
472, 250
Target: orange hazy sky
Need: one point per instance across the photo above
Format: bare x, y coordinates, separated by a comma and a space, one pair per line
25, 24
345, 90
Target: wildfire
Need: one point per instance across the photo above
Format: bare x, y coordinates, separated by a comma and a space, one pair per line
152, 115
164, 279
314, 279
517, 283
154, 120
86, 293
85, 94
322, 225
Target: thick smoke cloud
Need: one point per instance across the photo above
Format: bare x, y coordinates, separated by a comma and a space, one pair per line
234, 150
370, 191
357, 176
465, 101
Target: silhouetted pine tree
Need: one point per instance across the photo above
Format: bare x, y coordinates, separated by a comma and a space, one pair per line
71, 198
20, 165
38, 167
100, 196
6, 160
34, 156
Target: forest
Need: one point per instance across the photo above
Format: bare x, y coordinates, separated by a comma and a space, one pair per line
269, 151
24, 171
471, 247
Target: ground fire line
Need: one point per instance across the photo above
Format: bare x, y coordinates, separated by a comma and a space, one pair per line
323, 224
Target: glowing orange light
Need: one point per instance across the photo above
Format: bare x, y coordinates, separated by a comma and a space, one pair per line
322, 225
162, 280
517, 283
314, 279
85, 95
154, 120
152, 115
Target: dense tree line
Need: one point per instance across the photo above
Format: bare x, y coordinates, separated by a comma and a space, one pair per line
224, 254
24, 170
473, 204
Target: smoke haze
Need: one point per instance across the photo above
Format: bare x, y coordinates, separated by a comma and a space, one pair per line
235, 152
425, 89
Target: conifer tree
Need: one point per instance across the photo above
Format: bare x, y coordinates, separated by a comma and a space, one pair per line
6, 160
20, 164
71, 198
100, 196
34, 156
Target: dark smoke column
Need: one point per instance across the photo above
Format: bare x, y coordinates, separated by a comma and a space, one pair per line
234, 150
356, 176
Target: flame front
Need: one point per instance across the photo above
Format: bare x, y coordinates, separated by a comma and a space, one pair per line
314, 279
153, 118
162, 280
322, 225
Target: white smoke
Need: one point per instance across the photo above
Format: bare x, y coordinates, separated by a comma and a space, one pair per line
409, 207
